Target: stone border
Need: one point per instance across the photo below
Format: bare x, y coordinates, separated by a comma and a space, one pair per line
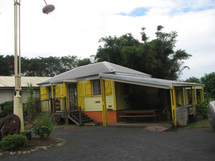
35, 149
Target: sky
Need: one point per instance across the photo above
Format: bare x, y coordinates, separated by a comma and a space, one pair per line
76, 26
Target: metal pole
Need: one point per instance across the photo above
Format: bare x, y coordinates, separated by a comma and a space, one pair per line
18, 109
45, 2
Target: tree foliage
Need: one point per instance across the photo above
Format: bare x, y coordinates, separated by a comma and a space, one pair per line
193, 80
38, 66
209, 81
156, 57
84, 61
7, 65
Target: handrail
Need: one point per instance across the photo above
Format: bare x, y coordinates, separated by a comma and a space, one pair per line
67, 109
78, 107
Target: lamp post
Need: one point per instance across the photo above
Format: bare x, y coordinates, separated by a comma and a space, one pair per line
17, 108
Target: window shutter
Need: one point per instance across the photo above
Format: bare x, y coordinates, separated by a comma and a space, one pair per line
108, 89
65, 94
43, 93
80, 95
57, 91
88, 89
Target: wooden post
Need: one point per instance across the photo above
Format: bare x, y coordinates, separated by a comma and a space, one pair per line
202, 95
195, 96
173, 105
104, 111
66, 113
114, 95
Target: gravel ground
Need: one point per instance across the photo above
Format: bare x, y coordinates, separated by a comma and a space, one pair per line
127, 143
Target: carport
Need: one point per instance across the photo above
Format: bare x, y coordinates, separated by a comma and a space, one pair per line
181, 108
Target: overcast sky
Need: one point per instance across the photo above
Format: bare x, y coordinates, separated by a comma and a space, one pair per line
76, 26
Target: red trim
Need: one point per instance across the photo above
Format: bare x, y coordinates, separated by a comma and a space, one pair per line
112, 116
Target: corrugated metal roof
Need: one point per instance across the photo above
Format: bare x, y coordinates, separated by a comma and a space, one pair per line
93, 70
114, 72
9, 81
151, 82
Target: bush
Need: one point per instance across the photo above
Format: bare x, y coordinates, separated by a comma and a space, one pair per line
12, 142
201, 109
43, 126
7, 107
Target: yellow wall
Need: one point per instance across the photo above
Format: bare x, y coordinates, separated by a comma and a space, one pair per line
179, 97
94, 103
45, 105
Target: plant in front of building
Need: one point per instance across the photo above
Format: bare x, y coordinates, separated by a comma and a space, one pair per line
201, 109
43, 126
12, 142
32, 103
7, 107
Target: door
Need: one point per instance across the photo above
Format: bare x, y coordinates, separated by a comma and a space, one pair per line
73, 96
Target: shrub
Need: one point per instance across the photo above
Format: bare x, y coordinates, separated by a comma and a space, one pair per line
43, 126
7, 108
12, 142
201, 109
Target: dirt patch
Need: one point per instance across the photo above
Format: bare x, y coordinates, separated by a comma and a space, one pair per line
36, 142
157, 128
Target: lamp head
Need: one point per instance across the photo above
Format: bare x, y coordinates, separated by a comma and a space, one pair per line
48, 9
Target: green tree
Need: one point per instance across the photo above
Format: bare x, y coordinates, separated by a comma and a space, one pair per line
38, 66
156, 57
193, 80
209, 81
84, 61
7, 65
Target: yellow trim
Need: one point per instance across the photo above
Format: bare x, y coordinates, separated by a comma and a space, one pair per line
187, 95
184, 98
52, 89
202, 95
104, 111
195, 96
64, 94
173, 104
114, 95
181, 95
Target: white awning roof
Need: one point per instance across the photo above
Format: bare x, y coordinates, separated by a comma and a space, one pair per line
150, 82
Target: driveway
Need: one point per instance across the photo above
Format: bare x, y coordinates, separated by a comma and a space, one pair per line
127, 143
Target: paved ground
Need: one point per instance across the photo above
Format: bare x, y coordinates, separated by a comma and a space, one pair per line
126, 144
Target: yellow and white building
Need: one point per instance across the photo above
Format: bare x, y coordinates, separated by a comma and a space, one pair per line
103, 90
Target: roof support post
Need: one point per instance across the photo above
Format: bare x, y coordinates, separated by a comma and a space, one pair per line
104, 111
184, 97
202, 95
114, 95
194, 97
52, 89
173, 105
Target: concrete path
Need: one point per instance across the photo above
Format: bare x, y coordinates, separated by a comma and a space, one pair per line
127, 144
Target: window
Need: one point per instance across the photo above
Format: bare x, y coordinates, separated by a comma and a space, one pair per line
96, 87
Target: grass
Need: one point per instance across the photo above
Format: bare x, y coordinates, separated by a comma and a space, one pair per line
199, 124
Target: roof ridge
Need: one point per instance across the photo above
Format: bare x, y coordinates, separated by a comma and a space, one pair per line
109, 66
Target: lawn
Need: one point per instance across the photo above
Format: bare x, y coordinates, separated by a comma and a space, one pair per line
200, 124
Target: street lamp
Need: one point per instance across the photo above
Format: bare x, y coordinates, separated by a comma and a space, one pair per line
17, 108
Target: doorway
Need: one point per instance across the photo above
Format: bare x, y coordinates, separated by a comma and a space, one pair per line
73, 96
